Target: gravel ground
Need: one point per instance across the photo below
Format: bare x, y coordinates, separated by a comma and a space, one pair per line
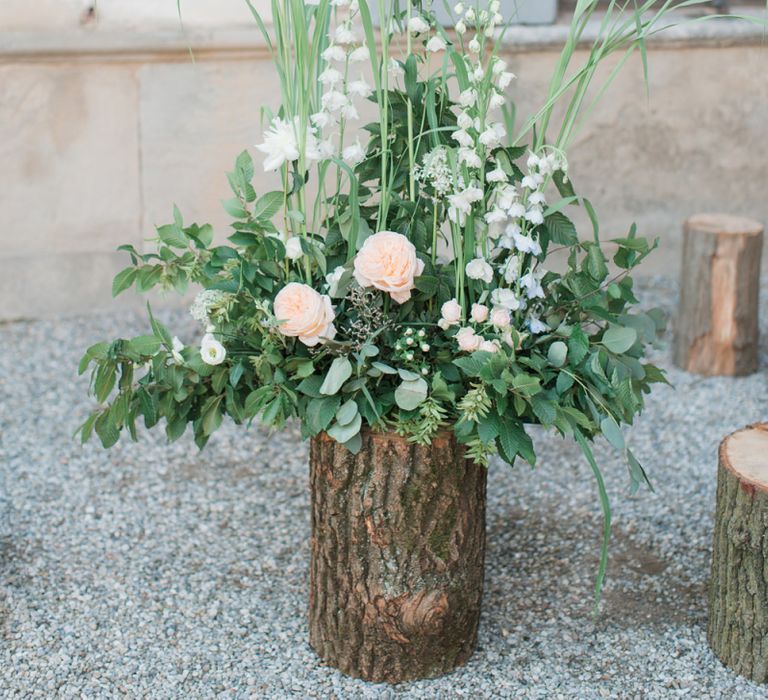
158, 571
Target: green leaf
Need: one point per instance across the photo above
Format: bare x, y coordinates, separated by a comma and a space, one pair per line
346, 414
411, 393
619, 339
172, 235
545, 409
234, 208
636, 473
320, 413
106, 430
211, 414
513, 441
344, 433
564, 382
526, 384
268, 205
557, 353
596, 266
561, 229
123, 280
606, 507
145, 344
338, 373
578, 346
354, 444
610, 429
104, 382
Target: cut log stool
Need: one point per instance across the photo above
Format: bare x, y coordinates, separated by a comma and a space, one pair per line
717, 324
738, 592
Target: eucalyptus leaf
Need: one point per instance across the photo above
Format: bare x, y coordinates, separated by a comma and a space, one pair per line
557, 353
339, 372
411, 393
619, 339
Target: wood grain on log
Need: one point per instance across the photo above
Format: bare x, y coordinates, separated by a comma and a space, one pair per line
717, 323
738, 594
398, 551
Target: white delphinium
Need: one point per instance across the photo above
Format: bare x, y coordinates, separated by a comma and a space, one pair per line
536, 326
460, 203
436, 44
436, 172
463, 138
479, 269
203, 303
212, 351
417, 25
470, 158
281, 144
531, 283
496, 175
526, 244
495, 216
493, 135
510, 270
354, 154
505, 298
535, 215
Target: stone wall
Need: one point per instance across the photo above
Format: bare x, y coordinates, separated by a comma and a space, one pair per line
101, 131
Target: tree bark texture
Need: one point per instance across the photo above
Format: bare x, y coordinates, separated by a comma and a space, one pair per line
717, 323
398, 553
738, 594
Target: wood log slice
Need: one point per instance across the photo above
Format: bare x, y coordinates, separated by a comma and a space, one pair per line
717, 322
397, 560
738, 593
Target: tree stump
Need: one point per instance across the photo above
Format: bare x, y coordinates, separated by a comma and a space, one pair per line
398, 553
738, 594
717, 323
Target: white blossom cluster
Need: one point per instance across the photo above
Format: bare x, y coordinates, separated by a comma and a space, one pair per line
202, 304
435, 171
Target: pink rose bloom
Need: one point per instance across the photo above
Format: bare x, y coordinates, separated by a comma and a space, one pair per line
450, 314
479, 313
490, 346
500, 317
304, 313
468, 340
388, 262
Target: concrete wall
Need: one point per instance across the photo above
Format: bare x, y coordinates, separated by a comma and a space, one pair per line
100, 132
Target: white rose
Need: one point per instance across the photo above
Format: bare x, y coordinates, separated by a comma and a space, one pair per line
333, 279
468, 340
293, 249
490, 346
479, 269
500, 318
479, 313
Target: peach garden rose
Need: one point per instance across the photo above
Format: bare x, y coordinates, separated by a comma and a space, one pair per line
304, 313
387, 261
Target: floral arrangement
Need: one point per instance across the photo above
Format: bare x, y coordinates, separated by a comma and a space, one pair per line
397, 276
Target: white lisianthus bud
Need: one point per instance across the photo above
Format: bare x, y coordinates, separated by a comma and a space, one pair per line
479, 269
359, 55
436, 44
490, 346
468, 340
176, 349
354, 154
333, 279
461, 28
500, 318
474, 46
417, 25
293, 250
211, 350
479, 313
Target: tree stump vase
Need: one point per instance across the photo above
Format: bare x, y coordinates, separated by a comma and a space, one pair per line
738, 593
717, 324
398, 553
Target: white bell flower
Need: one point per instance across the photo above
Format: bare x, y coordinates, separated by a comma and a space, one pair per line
354, 154
463, 138
417, 25
436, 44
359, 55
334, 53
